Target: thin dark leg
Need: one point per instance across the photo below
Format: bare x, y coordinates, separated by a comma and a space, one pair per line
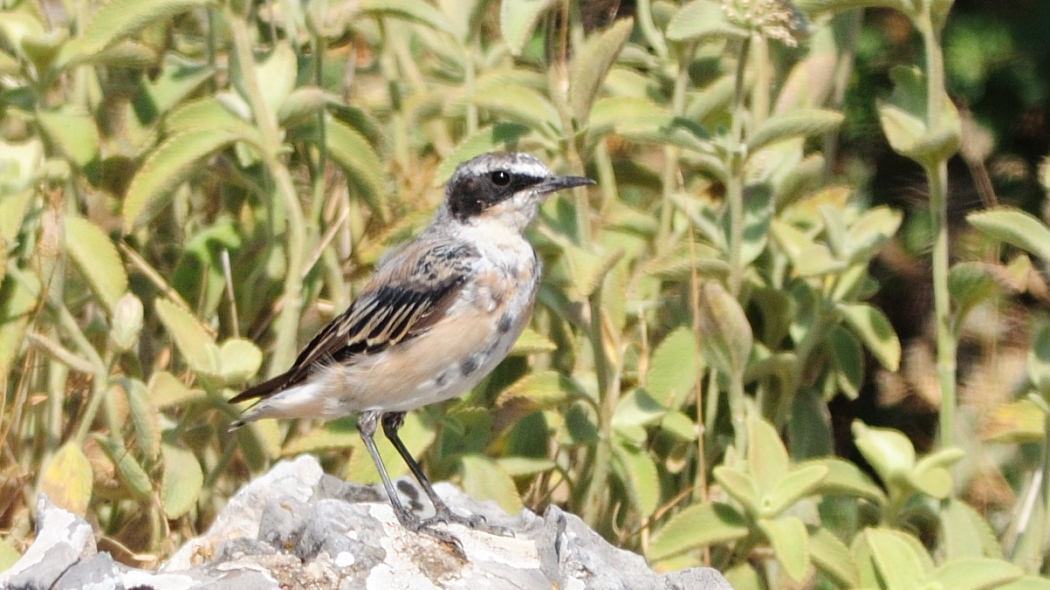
366, 426
442, 513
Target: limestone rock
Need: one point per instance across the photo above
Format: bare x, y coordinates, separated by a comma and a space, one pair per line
296, 527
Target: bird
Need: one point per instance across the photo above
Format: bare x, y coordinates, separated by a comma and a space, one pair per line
434, 319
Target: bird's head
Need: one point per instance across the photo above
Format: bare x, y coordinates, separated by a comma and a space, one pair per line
504, 187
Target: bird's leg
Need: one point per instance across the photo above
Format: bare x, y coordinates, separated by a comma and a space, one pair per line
442, 513
366, 426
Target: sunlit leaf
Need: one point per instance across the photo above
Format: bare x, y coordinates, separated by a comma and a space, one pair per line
73, 133
1016, 422
725, 333
899, 558
974, 573
638, 472
698, 526
889, 451
674, 367
844, 477
798, 123
483, 479
413, 10
790, 542
144, 417
702, 20
239, 360
17, 302
96, 258
517, 20
591, 64
68, 479
193, 341
832, 557
1015, 227
904, 120
965, 532
800, 482
182, 482
352, 152
128, 469
740, 485
875, 331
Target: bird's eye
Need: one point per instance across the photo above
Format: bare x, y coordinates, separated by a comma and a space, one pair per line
500, 178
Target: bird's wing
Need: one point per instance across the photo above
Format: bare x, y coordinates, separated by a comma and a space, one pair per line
404, 298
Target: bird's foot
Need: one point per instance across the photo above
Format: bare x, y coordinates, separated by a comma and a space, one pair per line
475, 522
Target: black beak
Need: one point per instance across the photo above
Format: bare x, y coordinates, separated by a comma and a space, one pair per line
557, 183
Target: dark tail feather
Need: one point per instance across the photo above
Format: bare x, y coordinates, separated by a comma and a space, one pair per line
261, 390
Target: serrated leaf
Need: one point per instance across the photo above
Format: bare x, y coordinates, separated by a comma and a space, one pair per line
275, 72
832, 557
591, 64
117, 19
638, 473
206, 113
144, 417
875, 331
517, 20
68, 479
182, 482
352, 152
96, 258
899, 558
740, 485
844, 477
965, 533
413, 10
587, 269
790, 541
516, 103
674, 368
767, 459
483, 479
534, 391
498, 137
679, 425
725, 333
1016, 422
796, 124
165, 390
702, 20
974, 573
240, 360
128, 468
193, 341
698, 526
1014, 227
637, 408
74, 133
172, 163
797, 484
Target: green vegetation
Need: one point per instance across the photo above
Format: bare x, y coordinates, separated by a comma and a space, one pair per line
189, 189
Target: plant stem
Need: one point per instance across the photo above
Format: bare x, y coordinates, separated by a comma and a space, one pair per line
287, 324
672, 153
608, 389
937, 179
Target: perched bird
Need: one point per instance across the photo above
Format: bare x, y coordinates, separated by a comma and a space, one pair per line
435, 318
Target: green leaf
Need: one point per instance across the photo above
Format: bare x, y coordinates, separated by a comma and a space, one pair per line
931, 476
808, 258
870, 231
117, 19
889, 452
848, 357
638, 473
193, 341
591, 65
352, 152
674, 368
790, 541
1027, 583
182, 483
702, 20
517, 20
525, 466
974, 573
832, 557
207, 113
17, 303
740, 485
844, 477
68, 479
413, 10
96, 258
587, 269
965, 533
797, 484
767, 459
698, 526
904, 120
166, 390
301, 104
534, 391
514, 102
73, 133
275, 73
726, 337
483, 479
172, 163
239, 360
498, 137
532, 342
832, 6
128, 468
1014, 227
144, 417
969, 284
798, 123
8, 554
875, 331
899, 558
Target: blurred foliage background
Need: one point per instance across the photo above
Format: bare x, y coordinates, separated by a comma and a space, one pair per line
798, 331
